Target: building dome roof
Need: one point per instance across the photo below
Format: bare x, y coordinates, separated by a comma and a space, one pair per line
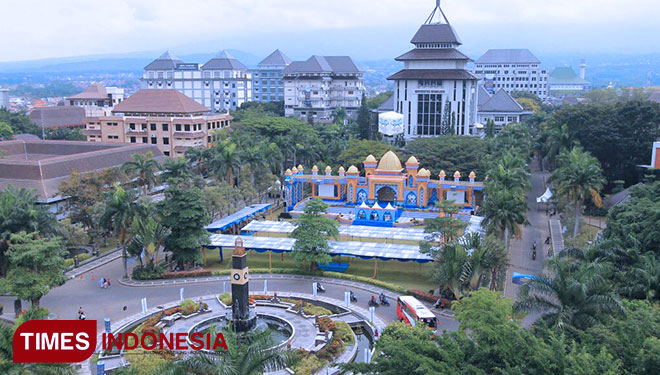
315, 169
341, 169
294, 170
370, 159
412, 160
300, 167
442, 173
457, 174
424, 173
328, 169
390, 162
472, 175
352, 170
288, 172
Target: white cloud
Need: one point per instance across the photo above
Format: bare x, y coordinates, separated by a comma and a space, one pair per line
47, 28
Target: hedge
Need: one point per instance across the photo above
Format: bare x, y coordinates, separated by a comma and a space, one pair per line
183, 274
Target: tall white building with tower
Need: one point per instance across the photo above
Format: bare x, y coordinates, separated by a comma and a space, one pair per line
434, 91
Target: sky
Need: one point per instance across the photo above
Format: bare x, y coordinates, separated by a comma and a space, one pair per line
364, 29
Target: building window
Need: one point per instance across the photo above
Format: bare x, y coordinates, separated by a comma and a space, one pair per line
153, 127
166, 140
132, 139
429, 114
178, 127
166, 127
511, 119
166, 153
145, 140
154, 140
186, 127
499, 118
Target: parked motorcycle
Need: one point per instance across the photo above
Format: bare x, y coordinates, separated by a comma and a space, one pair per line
320, 288
383, 300
534, 254
373, 302
352, 296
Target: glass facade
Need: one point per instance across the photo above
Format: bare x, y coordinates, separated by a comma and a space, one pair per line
429, 114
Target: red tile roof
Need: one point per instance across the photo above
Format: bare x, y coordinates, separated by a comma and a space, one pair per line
159, 101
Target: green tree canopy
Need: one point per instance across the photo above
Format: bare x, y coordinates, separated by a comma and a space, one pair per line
313, 230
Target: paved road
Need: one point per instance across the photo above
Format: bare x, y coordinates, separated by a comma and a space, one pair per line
98, 303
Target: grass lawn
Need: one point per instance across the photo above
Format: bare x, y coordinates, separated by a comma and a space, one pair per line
409, 275
586, 234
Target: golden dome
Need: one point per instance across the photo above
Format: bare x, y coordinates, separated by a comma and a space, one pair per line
457, 174
300, 167
370, 159
315, 169
341, 169
328, 169
294, 170
412, 160
442, 173
424, 173
288, 172
352, 170
472, 175
390, 162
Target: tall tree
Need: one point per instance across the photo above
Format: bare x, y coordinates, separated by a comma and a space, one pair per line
504, 212
143, 167
571, 298
35, 266
176, 170
182, 212
19, 211
118, 216
578, 177
148, 236
364, 119
312, 232
226, 160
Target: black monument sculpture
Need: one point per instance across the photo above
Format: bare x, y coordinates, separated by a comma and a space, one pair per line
241, 318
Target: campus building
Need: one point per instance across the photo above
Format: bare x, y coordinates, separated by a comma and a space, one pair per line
380, 196
315, 88
96, 99
42, 166
564, 80
4, 98
221, 84
165, 118
512, 70
267, 81
434, 91
501, 108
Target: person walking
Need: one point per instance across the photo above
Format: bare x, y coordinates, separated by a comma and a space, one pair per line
102, 282
81, 313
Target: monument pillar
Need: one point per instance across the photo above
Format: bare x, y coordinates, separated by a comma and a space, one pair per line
241, 318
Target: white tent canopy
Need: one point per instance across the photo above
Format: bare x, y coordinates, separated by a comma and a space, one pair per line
390, 123
545, 198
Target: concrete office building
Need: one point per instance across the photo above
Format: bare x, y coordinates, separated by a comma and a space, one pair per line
512, 70
165, 118
315, 88
96, 99
267, 82
435, 92
221, 84
501, 108
4, 98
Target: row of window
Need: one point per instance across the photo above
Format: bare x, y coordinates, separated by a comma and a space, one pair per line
520, 85
266, 74
506, 72
507, 65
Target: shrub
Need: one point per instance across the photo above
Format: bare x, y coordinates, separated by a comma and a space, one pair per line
326, 324
316, 310
189, 306
309, 365
145, 363
331, 350
144, 273
225, 298
83, 257
182, 274
68, 262
420, 294
172, 311
343, 332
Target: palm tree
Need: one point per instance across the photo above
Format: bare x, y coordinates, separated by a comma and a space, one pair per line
486, 255
578, 177
226, 160
510, 173
144, 167
175, 169
448, 270
148, 235
197, 156
118, 216
248, 354
571, 298
254, 159
559, 139
504, 212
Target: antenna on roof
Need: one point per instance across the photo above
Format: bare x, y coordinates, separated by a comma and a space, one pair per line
440, 12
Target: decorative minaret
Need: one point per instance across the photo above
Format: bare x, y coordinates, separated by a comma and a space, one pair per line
241, 318
583, 68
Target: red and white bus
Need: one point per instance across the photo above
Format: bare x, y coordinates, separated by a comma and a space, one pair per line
409, 310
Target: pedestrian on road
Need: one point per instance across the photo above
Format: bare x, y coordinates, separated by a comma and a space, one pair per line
107, 282
81, 313
102, 282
